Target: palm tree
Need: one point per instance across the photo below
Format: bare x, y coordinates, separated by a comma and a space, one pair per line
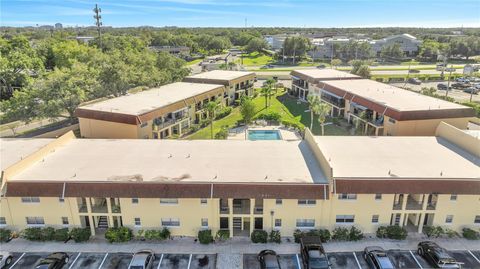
266, 92
322, 111
313, 102
212, 108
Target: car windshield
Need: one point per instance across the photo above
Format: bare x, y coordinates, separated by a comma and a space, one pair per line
136, 267
42, 266
385, 263
447, 262
271, 262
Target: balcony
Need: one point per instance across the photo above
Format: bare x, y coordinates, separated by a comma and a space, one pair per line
82, 208
169, 121
431, 206
241, 206
99, 205
115, 205
414, 202
398, 202
224, 208
258, 207
300, 83
397, 206
432, 201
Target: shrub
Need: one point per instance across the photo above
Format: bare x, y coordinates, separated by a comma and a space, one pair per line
33, 234
48, 234
297, 235
223, 113
205, 236
259, 236
118, 234
153, 235
275, 237
222, 235
433, 231
269, 116
324, 234
470, 234
355, 234
80, 234
61, 234
392, 232
165, 233
451, 233
222, 134
5, 235
341, 234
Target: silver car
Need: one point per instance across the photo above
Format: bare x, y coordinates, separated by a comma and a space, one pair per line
143, 259
5, 259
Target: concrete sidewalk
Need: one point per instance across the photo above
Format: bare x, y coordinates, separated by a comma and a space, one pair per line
232, 246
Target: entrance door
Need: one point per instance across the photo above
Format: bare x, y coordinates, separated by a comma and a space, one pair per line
246, 226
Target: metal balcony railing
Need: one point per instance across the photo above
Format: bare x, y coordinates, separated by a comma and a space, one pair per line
224, 210
241, 210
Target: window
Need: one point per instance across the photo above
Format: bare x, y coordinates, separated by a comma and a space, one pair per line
345, 218
476, 220
3, 221
203, 201
449, 219
65, 220
169, 201
305, 223
205, 222
378, 196
30, 200
278, 223
35, 221
375, 219
453, 197
138, 223
278, 201
307, 202
61, 199
347, 196
134, 200
170, 222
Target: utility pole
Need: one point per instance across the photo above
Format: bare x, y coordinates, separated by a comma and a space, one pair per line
448, 84
98, 23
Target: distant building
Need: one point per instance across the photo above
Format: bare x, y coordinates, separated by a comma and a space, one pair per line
175, 50
409, 44
58, 25
85, 39
46, 27
276, 41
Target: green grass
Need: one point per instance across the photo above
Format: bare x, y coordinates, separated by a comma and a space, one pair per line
256, 58
196, 61
288, 109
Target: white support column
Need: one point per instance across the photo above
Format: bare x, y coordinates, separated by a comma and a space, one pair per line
230, 216
420, 222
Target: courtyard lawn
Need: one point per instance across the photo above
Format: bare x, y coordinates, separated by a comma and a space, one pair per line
288, 109
256, 58
194, 62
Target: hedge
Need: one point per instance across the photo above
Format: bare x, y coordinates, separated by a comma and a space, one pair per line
118, 234
324, 234
205, 236
5, 234
470, 234
392, 232
61, 234
259, 236
341, 234
80, 234
275, 237
222, 235
157, 234
223, 113
433, 231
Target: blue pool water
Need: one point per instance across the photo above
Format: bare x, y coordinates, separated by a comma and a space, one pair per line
264, 135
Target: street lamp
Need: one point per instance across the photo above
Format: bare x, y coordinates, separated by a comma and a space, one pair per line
271, 218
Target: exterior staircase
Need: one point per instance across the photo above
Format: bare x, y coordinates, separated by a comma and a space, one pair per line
102, 222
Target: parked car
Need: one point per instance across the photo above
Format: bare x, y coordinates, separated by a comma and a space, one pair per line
322, 66
142, 259
472, 90
460, 85
443, 87
413, 71
436, 255
377, 258
55, 260
462, 80
268, 259
440, 67
5, 259
267, 66
415, 81
313, 254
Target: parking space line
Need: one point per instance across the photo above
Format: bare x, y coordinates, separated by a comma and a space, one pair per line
189, 261
71, 265
298, 262
415, 258
358, 263
23, 254
104, 258
474, 256
161, 259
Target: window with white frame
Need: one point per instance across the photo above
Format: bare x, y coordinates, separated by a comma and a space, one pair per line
476, 220
345, 219
453, 197
374, 218
134, 200
278, 201
347, 196
305, 223
64, 220
378, 196
204, 222
278, 223
203, 201
3, 221
168, 201
170, 222
30, 199
35, 221
307, 202
449, 219
138, 222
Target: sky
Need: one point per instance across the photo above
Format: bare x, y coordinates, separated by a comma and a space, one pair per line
233, 13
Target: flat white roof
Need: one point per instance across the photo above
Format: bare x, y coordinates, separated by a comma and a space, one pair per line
404, 157
319, 74
391, 96
13, 150
221, 75
178, 161
149, 100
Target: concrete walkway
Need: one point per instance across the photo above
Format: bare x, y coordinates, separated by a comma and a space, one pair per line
232, 246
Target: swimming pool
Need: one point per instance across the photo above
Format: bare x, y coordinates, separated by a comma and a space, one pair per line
264, 135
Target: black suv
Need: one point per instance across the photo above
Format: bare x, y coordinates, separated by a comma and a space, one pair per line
313, 254
268, 259
55, 260
377, 258
436, 255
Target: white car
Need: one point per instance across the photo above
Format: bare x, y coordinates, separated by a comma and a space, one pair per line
462, 80
5, 259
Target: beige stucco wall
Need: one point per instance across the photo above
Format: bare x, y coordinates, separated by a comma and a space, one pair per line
459, 138
421, 127
90, 128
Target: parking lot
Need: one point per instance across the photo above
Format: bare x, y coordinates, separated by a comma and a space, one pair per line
118, 260
402, 259
457, 94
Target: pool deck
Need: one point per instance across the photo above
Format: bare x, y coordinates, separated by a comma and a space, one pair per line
239, 133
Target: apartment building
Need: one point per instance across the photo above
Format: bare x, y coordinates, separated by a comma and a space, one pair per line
156, 113
285, 185
383, 109
236, 83
305, 81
